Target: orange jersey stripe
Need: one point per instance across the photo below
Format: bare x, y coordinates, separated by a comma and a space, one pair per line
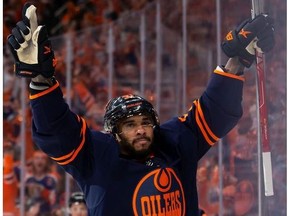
222, 73
199, 123
72, 155
64, 157
199, 109
44, 92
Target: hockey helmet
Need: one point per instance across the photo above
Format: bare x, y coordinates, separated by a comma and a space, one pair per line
76, 197
124, 107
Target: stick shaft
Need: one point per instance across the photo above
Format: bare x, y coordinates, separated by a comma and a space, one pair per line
263, 114
257, 8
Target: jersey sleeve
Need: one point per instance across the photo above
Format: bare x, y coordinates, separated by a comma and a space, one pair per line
62, 134
209, 117
220, 107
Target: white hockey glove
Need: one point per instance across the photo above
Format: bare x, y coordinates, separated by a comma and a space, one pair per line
30, 46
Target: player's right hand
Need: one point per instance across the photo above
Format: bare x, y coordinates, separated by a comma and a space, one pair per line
252, 34
30, 46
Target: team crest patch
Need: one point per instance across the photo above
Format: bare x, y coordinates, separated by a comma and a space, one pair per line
159, 193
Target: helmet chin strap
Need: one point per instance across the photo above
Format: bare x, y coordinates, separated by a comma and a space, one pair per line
117, 136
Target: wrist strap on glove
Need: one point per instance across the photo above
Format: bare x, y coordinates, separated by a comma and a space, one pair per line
40, 84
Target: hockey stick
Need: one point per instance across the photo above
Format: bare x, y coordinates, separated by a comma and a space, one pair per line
257, 8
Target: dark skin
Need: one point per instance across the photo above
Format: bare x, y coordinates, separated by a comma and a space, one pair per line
136, 136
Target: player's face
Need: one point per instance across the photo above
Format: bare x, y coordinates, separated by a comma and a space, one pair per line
78, 209
136, 135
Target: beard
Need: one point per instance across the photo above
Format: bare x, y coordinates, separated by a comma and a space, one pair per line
128, 149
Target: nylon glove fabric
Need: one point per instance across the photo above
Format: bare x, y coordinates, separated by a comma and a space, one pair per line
250, 35
30, 46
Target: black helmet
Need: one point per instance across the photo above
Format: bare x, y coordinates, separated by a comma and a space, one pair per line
76, 197
124, 107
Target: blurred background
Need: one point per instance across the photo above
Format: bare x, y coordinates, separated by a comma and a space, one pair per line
164, 50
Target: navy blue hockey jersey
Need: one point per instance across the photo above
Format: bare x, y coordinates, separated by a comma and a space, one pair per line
163, 185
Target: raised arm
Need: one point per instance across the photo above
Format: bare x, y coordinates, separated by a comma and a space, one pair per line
56, 130
218, 110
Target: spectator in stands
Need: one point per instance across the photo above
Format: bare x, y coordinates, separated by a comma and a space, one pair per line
41, 185
77, 204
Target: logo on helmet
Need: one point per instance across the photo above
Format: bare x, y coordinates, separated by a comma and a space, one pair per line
133, 105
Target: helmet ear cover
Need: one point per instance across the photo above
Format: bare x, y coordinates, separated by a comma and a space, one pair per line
125, 107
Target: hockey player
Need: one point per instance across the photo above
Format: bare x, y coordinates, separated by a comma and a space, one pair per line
138, 167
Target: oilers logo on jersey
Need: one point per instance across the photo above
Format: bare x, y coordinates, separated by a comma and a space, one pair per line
160, 192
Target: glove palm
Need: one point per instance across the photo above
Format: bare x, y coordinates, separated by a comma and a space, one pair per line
30, 46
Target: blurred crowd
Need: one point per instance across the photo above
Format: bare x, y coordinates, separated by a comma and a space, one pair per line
79, 32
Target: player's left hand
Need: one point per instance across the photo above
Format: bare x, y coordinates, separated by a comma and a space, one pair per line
252, 34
